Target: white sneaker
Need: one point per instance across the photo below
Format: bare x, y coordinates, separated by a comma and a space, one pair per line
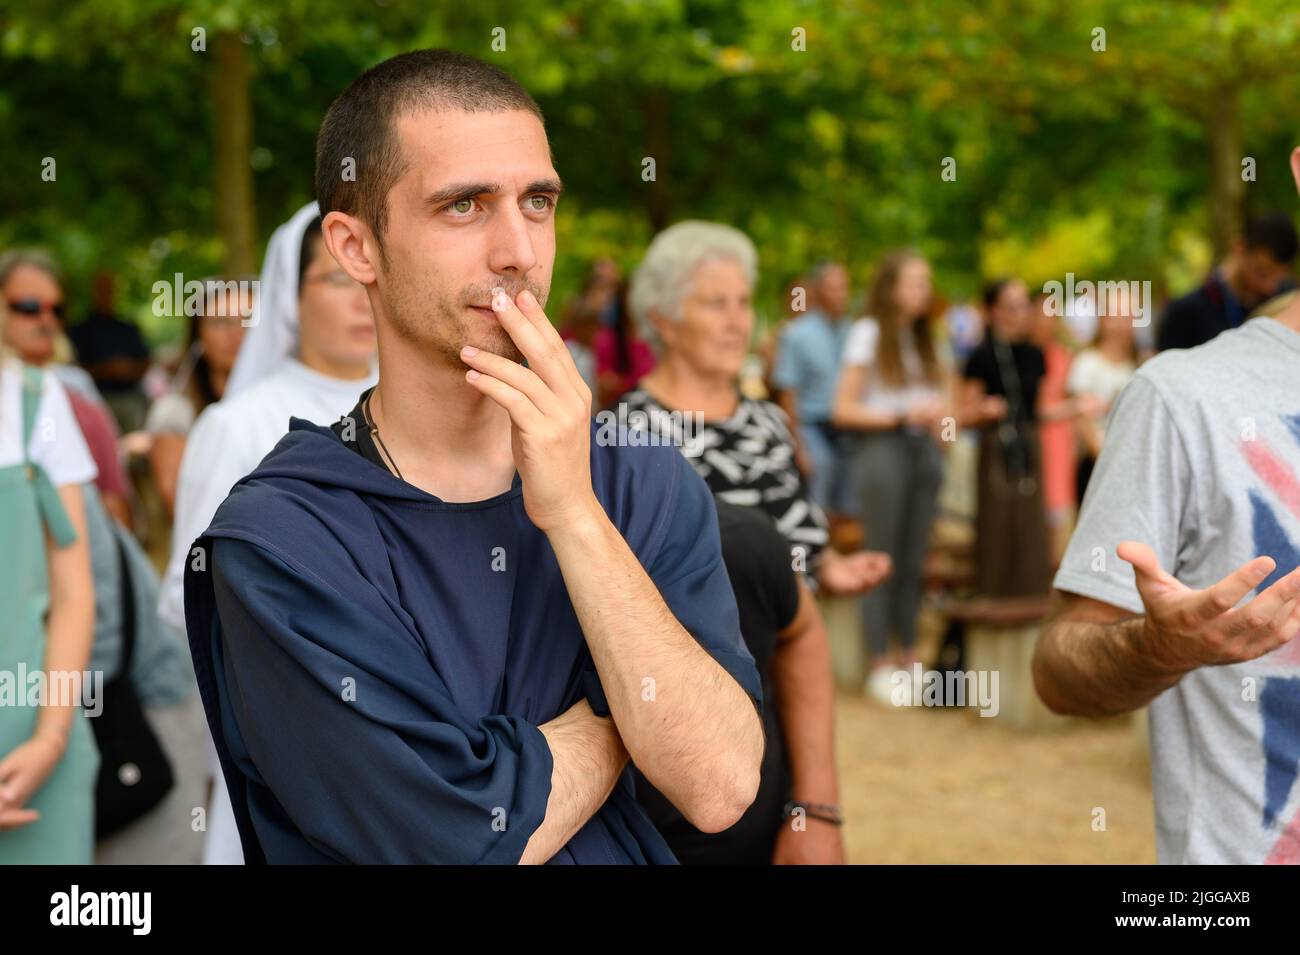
879, 685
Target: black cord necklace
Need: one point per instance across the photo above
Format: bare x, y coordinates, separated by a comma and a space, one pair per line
374, 433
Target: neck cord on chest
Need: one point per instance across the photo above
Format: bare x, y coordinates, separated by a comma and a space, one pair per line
374, 433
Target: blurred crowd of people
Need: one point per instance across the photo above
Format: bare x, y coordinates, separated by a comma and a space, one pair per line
840, 421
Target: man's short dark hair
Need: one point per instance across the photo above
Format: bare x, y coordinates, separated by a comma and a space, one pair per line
821, 267
360, 125
1274, 232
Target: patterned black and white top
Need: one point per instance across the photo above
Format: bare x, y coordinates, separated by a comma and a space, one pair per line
747, 460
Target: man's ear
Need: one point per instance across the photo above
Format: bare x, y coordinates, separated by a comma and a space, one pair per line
1295, 166
350, 242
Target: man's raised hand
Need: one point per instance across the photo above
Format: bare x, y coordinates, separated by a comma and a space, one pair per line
1186, 628
550, 411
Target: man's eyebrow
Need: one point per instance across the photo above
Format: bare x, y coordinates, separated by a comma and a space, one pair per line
461, 190
553, 186
470, 190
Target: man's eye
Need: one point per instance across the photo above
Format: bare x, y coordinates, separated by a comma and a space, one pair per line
462, 206
539, 203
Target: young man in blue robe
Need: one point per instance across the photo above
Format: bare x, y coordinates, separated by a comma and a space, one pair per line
438, 631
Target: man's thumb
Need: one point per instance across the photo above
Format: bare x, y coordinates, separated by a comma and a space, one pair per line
1142, 557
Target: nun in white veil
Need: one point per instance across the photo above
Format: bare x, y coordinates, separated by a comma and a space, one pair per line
272, 334
313, 365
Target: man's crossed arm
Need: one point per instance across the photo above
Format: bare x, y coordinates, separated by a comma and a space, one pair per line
700, 739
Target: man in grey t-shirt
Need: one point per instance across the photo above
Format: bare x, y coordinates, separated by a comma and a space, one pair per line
1199, 485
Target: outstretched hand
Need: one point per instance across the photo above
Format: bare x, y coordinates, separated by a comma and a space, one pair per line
1188, 628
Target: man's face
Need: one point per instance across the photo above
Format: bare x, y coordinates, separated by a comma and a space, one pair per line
474, 209
1261, 275
833, 290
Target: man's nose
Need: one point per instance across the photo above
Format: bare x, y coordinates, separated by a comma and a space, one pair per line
512, 243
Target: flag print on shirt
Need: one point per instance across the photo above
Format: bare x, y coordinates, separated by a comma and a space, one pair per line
1279, 698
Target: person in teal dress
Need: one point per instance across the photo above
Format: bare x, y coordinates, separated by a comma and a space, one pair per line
48, 757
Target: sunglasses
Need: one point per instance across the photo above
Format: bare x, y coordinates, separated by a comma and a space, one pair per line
31, 307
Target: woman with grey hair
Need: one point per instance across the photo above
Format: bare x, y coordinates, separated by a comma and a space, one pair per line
692, 296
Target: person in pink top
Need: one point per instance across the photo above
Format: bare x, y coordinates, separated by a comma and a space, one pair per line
100, 431
1056, 436
622, 358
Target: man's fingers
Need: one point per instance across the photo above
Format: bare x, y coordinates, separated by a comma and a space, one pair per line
1151, 579
1273, 605
1263, 641
524, 334
1219, 599
513, 374
1290, 629
532, 310
543, 356
1144, 561
522, 411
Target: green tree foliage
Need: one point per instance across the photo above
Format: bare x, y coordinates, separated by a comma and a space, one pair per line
820, 127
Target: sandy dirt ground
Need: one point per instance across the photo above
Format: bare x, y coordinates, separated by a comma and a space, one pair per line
947, 786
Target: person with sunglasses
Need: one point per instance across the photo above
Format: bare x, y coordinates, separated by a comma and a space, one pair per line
33, 299
48, 761
32, 294
35, 308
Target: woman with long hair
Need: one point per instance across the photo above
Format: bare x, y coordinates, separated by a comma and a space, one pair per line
1099, 372
1001, 395
891, 396
215, 333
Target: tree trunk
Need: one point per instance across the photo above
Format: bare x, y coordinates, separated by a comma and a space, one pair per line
1227, 188
232, 133
658, 200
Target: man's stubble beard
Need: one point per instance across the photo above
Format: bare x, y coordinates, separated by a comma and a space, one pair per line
437, 322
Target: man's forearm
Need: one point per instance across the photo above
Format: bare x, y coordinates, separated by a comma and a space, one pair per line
587, 758
805, 702
687, 724
1090, 668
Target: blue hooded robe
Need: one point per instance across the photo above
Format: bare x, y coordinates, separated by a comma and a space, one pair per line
374, 662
